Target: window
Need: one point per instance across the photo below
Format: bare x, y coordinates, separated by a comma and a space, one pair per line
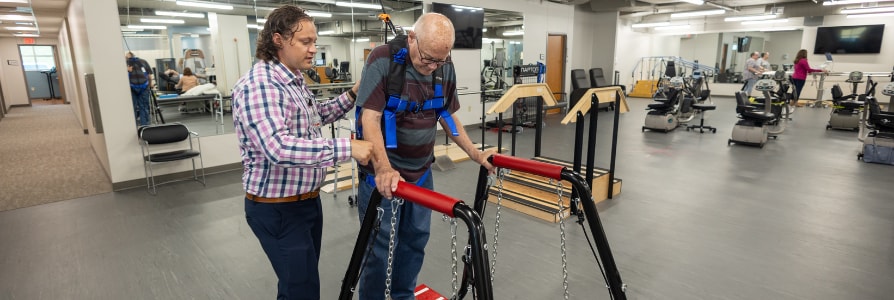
37, 58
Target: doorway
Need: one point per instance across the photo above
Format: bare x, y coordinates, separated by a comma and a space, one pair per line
41, 78
555, 65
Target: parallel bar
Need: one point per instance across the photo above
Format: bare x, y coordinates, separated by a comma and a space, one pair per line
528, 166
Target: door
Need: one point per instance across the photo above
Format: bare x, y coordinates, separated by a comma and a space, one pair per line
555, 65
39, 67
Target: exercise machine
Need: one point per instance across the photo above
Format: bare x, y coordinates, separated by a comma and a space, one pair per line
662, 116
846, 108
752, 128
877, 131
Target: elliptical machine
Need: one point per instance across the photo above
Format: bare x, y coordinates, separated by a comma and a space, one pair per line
877, 131
846, 108
662, 115
752, 128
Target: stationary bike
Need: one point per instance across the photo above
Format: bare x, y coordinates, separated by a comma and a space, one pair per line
663, 115
752, 128
846, 108
877, 131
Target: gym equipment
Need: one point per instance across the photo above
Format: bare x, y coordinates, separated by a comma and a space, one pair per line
878, 127
663, 115
475, 255
846, 108
752, 128
604, 258
651, 69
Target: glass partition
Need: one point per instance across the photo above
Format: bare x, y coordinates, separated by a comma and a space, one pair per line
501, 48
174, 37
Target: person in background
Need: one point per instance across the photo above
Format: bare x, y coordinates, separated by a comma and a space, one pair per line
139, 73
751, 72
187, 81
428, 63
278, 124
764, 62
802, 68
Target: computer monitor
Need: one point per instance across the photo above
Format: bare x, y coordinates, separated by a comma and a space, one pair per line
321, 62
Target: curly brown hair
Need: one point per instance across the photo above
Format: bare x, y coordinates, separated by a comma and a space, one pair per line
187, 72
280, 20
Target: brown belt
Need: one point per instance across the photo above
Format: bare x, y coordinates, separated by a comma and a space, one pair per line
295, 198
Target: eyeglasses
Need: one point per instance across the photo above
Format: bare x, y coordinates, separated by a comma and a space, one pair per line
428, 60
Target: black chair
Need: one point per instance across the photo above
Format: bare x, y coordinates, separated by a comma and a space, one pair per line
747, 112
169, 143
579, 85
313, 76
344, 69
331, 73
670, 70
597, 79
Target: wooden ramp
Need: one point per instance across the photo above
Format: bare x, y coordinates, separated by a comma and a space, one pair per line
536, 196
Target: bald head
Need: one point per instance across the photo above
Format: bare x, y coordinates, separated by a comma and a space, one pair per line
434, 29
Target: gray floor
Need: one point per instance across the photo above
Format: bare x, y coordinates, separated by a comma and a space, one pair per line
799, 219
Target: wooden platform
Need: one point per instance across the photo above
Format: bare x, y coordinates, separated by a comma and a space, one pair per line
456, 154
536, 196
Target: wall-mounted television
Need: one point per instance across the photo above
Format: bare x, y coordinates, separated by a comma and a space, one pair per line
468, 22
849, 39
744, 44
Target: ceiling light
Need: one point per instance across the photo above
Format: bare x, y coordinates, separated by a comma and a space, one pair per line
326, 32
255, 26
698, 13
461, 8
778, 29
764, 22
848, 11
147, 26
261, 20
483, 29
23, 23
16, 18
319, 14
358, 5
749, 18
844, 2
163, 21
13, 1
696, 2
179, 14
127, 29
673, 27
205, 5
512, 33
360, 40
889, 14
655, 24
26, 35
22, 28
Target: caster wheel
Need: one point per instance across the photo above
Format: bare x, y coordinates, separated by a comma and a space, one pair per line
351, 200
729, 142
714, 130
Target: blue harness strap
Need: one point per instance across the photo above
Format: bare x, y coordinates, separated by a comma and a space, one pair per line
394, 104
371, 180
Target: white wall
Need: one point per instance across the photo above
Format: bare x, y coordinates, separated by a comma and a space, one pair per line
594, 46
230, 40
15, 90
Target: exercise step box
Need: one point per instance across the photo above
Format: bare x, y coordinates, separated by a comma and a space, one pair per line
535, 196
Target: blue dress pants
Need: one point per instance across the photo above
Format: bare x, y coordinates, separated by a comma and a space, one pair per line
413, 228
290, 234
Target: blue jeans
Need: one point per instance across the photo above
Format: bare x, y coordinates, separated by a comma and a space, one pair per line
140, 106
290, 234
749, 84
413, 227
799, 85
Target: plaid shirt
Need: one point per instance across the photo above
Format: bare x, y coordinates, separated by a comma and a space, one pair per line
278, 124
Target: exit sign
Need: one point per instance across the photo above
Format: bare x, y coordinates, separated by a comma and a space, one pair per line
28, 40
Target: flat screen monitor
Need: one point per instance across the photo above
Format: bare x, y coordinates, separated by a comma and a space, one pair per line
468, 23
744, 44
321, 62
849, 39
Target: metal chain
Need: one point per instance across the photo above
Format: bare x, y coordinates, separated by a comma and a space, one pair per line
395, 206
559, 191
453, 257
501, 174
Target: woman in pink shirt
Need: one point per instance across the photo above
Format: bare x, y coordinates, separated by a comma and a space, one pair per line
799, 77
